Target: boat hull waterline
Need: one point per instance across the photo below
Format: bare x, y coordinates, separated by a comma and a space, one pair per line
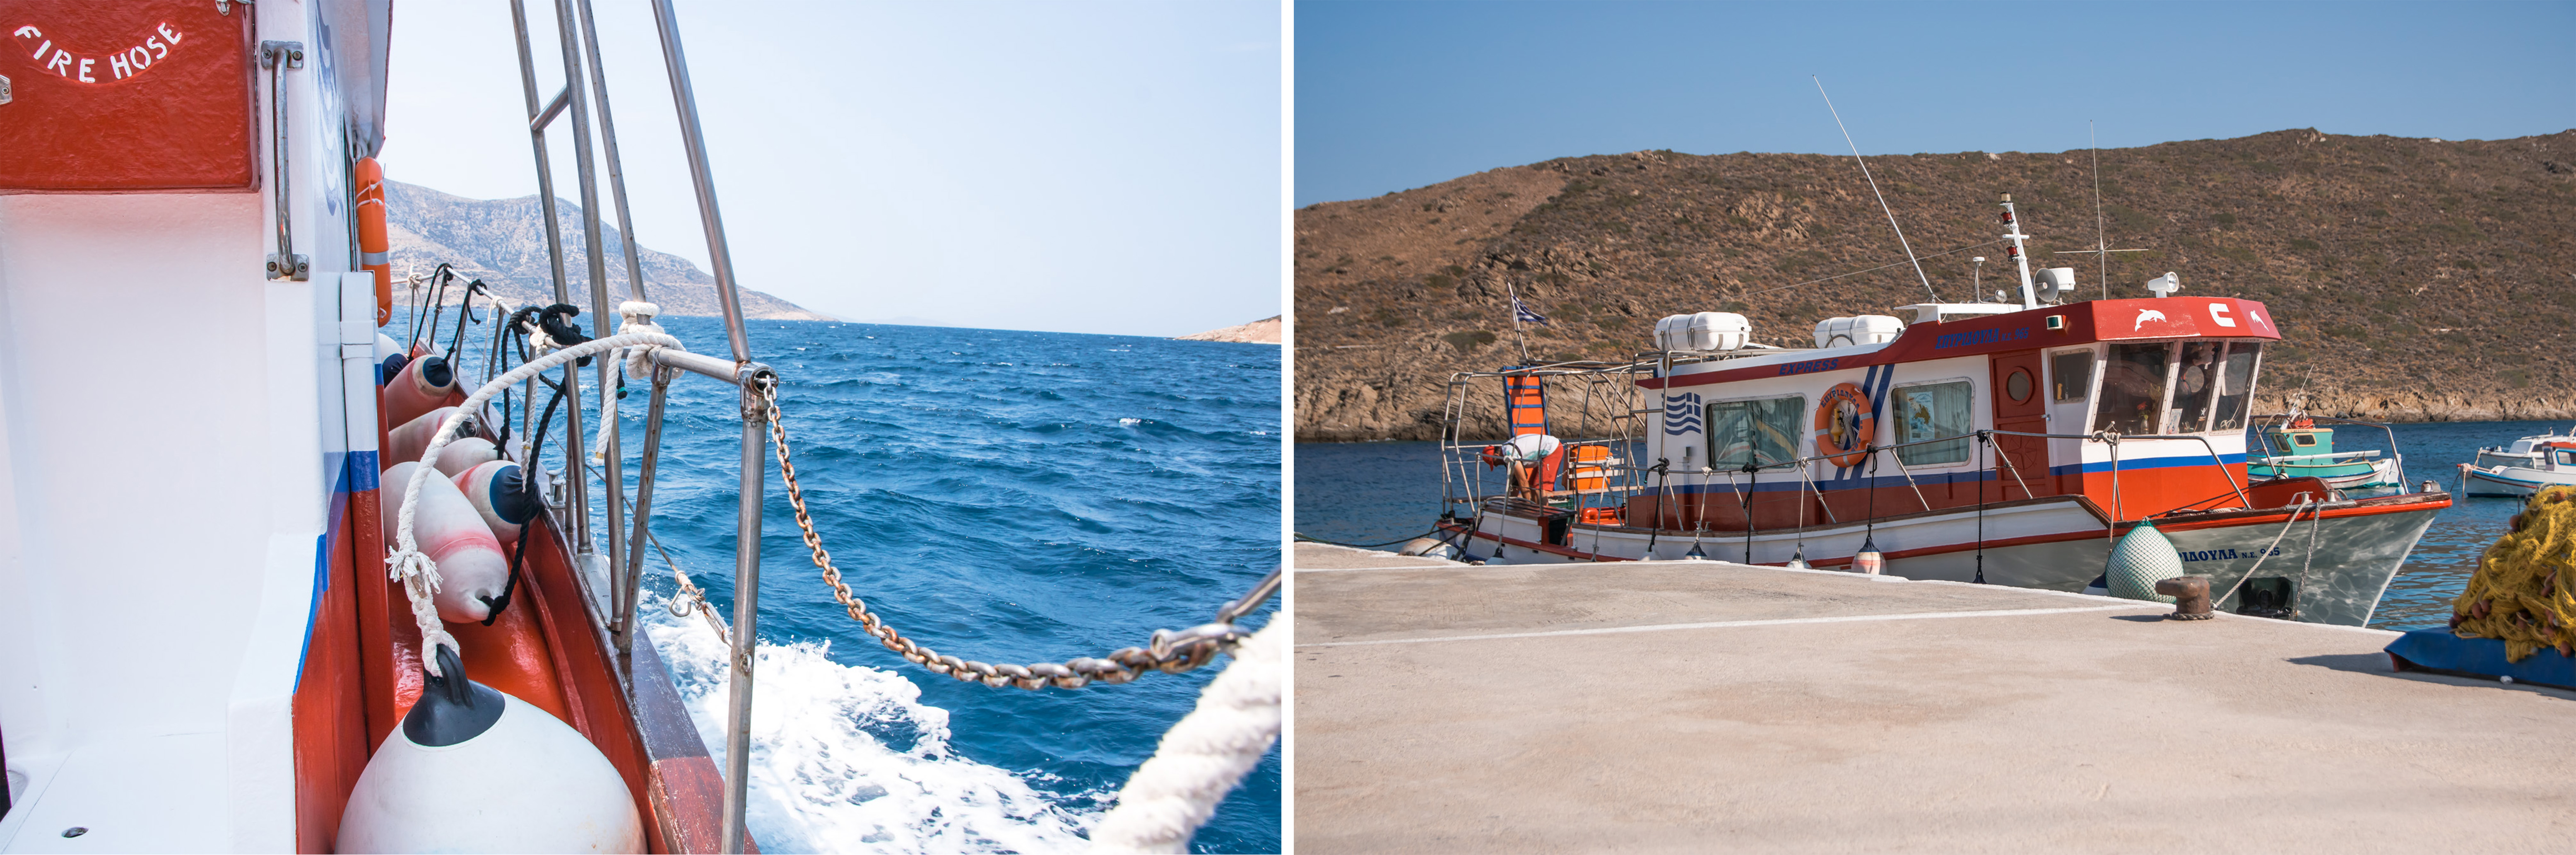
2347, 551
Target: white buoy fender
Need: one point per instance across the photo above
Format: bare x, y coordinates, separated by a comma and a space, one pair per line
409, 439
465, 454
426, 383
471, 566
498, 489
476, 770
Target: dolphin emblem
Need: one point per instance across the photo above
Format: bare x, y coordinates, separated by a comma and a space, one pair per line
2145, 315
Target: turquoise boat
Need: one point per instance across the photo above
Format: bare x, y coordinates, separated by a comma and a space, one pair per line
2297, 448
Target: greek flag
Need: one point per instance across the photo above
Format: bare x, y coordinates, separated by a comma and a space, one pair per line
1522, 311
1681, 414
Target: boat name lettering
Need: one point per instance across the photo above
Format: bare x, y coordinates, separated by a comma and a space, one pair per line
1812, 365
1962, 339
2224, 554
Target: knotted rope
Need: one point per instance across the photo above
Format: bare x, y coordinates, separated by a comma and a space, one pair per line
1202, 758
418, 573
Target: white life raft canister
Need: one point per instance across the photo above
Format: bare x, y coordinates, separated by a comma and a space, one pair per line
498, 489
473, 769
426, 383
410, 438
471, 567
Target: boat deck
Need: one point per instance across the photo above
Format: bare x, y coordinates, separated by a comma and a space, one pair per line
1705, 706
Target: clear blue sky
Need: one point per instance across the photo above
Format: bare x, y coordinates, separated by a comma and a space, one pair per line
1108, 167
1395, 95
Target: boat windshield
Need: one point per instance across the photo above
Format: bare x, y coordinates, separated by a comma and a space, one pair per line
2133, 388
2195, 384
2236, 385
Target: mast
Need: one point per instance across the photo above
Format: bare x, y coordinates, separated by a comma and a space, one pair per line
2021, 262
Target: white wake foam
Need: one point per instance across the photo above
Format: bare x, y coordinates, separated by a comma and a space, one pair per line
847, 758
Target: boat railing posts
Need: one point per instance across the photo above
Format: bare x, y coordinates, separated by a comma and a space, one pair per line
694, 141
541, 115
622, 628
612, 473
746, 597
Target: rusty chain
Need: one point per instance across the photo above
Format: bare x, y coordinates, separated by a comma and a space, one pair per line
1168, 651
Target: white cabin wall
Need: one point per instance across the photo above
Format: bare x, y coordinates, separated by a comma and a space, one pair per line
138, 426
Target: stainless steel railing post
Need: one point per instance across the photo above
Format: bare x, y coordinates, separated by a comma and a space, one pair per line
578, 490
623, 625
612, 471
746, 604
719, 256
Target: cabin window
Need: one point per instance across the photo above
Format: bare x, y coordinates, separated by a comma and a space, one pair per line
2071, 375
2567, 458
2236, 385
2196, 385
2304, 439
2133, 388
1763, 432
1932, 411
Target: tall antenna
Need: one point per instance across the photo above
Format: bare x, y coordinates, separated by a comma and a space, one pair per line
1873, 190
2101, 234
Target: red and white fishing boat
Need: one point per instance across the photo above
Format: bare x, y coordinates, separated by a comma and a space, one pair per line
1996, 442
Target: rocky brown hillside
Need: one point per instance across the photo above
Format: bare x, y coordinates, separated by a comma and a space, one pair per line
503, 243
2414, 279
1264, 331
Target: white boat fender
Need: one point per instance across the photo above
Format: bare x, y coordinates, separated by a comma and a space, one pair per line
499, 491
2142, 558
390, 358
472, 571
425, 384
410, 439
464, 454
473, 769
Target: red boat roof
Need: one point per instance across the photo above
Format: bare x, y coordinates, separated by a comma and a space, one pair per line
2078, 323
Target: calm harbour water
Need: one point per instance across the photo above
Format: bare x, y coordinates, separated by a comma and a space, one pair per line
1000, 496
1380, 491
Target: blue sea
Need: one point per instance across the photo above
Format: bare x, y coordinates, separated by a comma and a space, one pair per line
1380, 491
999, 496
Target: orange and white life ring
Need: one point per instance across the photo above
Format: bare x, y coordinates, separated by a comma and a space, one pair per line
374, 243
1845, 425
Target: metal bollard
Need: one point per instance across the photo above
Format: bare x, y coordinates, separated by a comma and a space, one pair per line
2191, 596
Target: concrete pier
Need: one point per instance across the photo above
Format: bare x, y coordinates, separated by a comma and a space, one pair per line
1706, 706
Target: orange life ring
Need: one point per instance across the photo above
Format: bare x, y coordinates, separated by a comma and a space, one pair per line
1845, 425
373, 238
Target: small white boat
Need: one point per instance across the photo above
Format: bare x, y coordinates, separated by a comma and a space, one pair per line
2521, 468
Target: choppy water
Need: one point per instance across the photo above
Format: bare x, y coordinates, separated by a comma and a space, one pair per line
1379, 491
1000, 496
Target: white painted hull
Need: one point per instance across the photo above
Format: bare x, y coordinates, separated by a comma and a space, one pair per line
2513, 481
2055, 543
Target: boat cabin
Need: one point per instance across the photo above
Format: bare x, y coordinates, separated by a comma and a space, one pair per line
2151, 395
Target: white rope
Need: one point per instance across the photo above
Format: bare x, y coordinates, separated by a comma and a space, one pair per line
633, 317
1202, 757
418, 573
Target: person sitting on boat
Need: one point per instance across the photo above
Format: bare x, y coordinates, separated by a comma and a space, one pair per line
1532, 458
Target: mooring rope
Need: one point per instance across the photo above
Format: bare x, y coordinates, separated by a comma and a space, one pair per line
1203, 757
